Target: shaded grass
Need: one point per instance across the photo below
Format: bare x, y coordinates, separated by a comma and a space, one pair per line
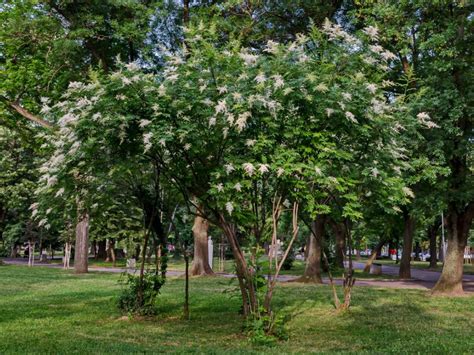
51, 310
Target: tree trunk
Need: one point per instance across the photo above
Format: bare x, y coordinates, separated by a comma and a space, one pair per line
200, 265
340, 236
373, 256
312, 272
81, 251
409, 226
14, 251
244, 273
111, 251
102, 250
458, 225
433, 250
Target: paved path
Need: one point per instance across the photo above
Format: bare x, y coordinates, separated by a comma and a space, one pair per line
421, 279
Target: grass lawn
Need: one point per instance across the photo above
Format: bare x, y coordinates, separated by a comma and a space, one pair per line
51, 310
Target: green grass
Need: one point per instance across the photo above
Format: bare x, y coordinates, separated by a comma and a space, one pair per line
51, 310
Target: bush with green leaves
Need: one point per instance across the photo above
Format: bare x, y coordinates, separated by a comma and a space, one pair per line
138, 296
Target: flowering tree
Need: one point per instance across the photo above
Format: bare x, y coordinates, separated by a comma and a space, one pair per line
240, 134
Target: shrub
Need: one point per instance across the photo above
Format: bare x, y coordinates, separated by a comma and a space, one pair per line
138, 296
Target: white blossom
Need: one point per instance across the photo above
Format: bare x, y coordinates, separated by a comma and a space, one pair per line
387, 55
126, 81
242, 120
287, 203
212, 121
42, 222
350, 116
248, 58
161, 90
60, 192
375, 172
45, 109
425, 119
372, 32
322, 87
278, 81
162, 142
220, 187
173, 77
237, 96
280, 172
238, 187
52, 180
221, 106
329, 112
318, 171
207, 102
408, 192
67, 118
121, 97
229, 207
147, 141
75, 85
263, 168
271, 47
346, 96
372, 88
222, 89
144, 123
250, 142
260, 78
132, 66
230, 118
249, 168
376, 48
187, 146
229, 168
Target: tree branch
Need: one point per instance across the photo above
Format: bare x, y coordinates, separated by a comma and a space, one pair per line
25, 113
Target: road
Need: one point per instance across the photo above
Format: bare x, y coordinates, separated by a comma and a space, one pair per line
421, 279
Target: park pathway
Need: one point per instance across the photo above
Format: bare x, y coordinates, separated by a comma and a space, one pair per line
421, 279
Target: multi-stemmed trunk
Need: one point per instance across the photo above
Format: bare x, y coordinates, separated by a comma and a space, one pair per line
458, 225
81, 251
409, 227
312, 272
200, 265
245, 275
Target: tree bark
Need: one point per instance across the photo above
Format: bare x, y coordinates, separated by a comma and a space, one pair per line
244, 273
432, 231
312, 272
409, 227
458, 225
111, 251
339, 230
81, 251
200, 265
373, 256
